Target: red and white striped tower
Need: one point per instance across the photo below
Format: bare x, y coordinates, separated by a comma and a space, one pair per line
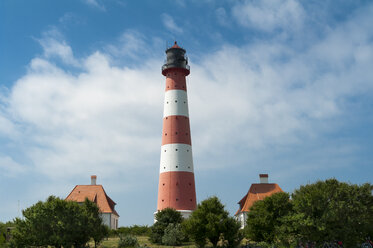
176, 179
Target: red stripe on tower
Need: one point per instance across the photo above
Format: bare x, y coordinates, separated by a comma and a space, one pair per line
176, 179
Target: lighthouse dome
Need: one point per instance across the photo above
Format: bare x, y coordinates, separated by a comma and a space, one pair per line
176, 59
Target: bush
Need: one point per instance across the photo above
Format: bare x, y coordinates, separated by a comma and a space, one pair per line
133, 230
211, 221
173, 235
164, 218
128, 241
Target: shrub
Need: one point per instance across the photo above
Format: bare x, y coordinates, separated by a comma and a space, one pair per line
128, 241
173, 235
164, 218
133, 230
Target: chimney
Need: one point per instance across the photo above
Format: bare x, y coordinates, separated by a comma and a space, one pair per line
93, 179
263, 178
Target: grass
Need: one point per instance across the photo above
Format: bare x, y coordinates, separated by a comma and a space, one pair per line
143, 241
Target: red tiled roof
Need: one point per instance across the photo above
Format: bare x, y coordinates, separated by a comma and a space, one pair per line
257, 191
95, 193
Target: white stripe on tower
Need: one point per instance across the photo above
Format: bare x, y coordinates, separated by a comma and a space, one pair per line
175, 103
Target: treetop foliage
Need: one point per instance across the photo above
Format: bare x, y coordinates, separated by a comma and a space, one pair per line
321, 212
211, 221
163, 219
58, 223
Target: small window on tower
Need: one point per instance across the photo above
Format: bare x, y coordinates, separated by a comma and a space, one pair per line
165, 150
175, 132
175, 149
177, 167
163, 184
175, 100
165, 134
162, 200
164, 168
191, 199
186, 133
167, 102
177, 199
187, 150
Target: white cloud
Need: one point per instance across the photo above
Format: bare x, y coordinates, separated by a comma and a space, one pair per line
78, 123
54, 46
170, 24
268, 15
131, 44
95, 4
222, 17
107, 120
9, 167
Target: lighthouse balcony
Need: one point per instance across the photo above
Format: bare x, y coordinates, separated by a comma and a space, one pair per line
168, 66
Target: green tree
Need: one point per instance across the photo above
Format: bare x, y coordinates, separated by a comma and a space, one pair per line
211, 221
332, 210
232, 235
267, 219
163, 219
57, 223
4, 229
173, 234
97, 230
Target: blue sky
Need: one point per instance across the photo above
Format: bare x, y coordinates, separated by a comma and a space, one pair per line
276, 86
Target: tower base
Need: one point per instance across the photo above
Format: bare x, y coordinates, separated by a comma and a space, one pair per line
184, 213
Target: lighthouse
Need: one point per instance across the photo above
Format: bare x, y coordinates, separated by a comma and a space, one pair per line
176, 187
